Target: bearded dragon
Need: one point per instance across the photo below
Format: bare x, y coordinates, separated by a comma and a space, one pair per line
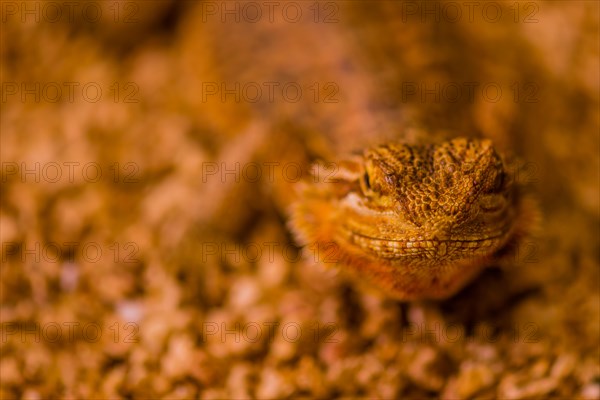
417, 221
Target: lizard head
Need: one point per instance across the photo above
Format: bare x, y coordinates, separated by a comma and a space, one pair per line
419, 221
450, 200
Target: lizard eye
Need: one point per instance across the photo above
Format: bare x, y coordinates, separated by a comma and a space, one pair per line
366, 180
499, 182
365, 183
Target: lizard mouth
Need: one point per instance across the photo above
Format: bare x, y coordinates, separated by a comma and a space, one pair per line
401, 248
384, 234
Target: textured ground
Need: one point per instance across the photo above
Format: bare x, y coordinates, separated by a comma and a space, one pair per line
142, 256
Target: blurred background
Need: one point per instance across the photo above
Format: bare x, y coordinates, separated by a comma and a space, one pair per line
148, 153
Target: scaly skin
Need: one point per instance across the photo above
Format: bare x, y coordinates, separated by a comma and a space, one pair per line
416, 221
